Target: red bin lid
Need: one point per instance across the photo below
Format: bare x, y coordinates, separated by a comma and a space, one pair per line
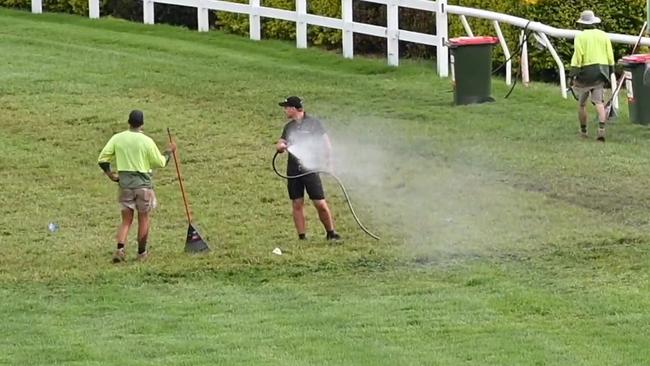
637, 59
468, 41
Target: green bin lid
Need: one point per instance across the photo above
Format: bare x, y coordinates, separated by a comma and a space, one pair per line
471, 41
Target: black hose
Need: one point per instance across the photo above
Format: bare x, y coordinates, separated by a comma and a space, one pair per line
345, 192
519, 47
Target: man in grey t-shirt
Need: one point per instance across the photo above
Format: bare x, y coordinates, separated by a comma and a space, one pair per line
309, 149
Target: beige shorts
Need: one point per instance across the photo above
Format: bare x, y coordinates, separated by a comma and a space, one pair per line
141, 199
596, 92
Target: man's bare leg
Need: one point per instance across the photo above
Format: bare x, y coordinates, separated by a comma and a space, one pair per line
325, 216
298, 212
143, 233
122, 234
582, 117
602, 119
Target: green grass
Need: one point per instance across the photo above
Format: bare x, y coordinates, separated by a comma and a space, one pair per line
506, 240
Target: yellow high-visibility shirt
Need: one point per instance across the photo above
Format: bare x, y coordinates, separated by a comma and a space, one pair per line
132, 151
592, 47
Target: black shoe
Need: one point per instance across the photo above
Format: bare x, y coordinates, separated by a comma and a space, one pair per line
333, 237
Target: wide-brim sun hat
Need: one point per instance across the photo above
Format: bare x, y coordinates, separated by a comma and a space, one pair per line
588, 17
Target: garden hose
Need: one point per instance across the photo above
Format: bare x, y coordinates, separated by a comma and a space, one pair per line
345, 193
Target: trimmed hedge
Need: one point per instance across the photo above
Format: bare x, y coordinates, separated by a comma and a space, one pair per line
282, 29
623, 16
125, 9
55, 6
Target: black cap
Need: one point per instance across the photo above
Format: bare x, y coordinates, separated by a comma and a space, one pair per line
291, 102
136, 118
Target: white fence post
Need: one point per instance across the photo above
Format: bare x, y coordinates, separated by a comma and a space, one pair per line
525, 76
254, 28
348, 36
614, 84
202, 17
93, 9
558, 61
37, 6
147, 12
392, 32
301, 25
506, 52
468, 29
442, 51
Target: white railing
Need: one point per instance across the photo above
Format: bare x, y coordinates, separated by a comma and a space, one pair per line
391, 31
541, 33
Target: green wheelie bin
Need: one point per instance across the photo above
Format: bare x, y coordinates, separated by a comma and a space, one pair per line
638, 93
471, 69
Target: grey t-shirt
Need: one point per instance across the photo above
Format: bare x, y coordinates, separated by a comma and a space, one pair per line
305, 144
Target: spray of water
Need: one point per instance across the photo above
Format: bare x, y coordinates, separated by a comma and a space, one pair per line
311, 151
425, 198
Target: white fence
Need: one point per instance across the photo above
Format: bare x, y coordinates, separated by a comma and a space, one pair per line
391, 31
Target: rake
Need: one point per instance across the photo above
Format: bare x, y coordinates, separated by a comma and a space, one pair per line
194, 242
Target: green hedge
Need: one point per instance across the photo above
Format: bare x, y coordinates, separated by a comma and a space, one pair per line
125, 9
363, 12
625, 16
622, 16
55, 6
282, 29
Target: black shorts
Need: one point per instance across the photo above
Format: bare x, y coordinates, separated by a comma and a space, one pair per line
311, 183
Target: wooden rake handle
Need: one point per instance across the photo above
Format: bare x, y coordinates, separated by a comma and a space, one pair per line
180, 180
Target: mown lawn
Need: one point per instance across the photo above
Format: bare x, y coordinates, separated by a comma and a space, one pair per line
506, 240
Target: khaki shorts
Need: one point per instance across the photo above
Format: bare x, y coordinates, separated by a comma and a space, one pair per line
583, 92
141, 199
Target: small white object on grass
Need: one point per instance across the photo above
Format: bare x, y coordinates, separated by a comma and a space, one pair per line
53, 227
277, 251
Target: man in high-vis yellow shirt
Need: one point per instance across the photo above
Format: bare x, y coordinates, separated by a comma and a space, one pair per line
591, 65
135, 155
